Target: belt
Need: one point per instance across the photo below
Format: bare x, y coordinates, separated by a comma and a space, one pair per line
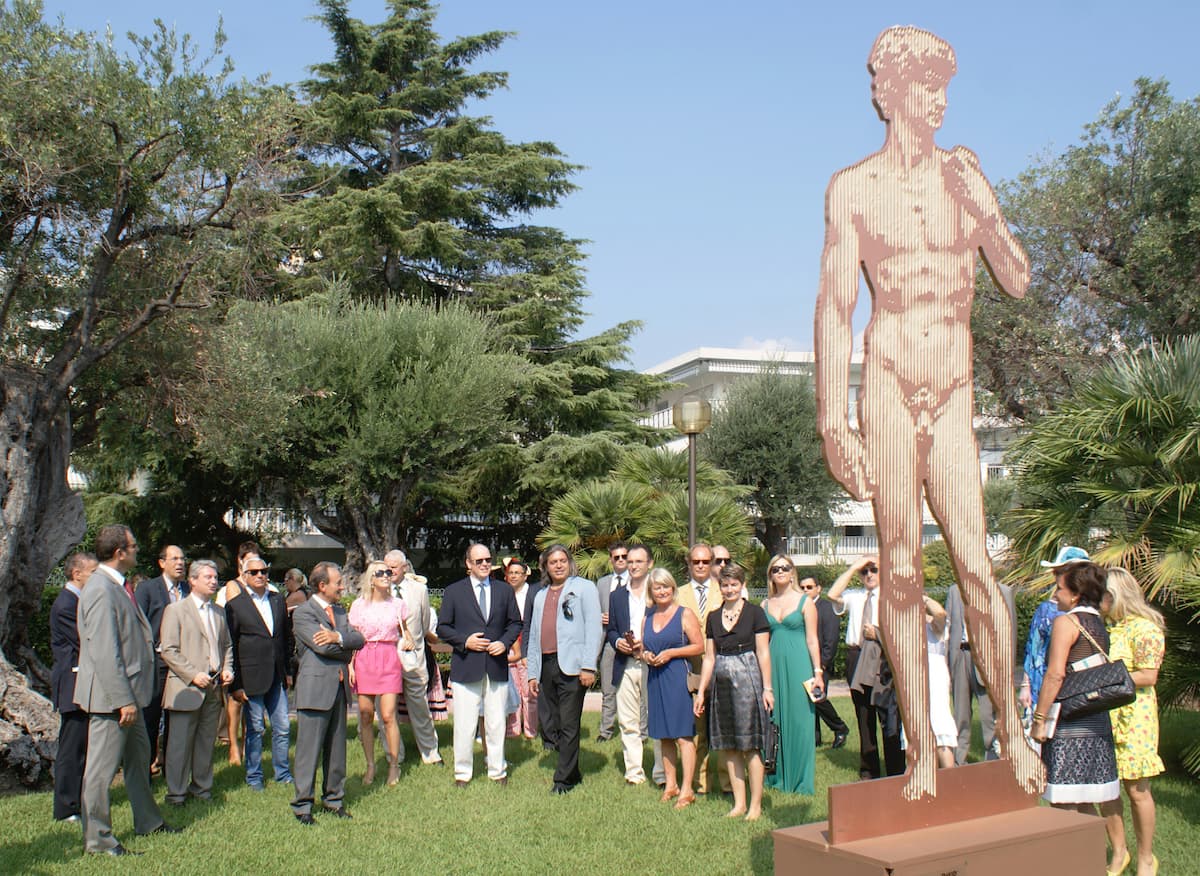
740, 649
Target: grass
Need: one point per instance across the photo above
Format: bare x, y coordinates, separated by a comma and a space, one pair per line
425, 825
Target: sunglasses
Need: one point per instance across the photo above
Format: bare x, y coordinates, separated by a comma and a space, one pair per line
701, 562
720, 561
567, 611
775, 570
869, 570
481, 561
256, 572
810, 587
383, 573
619, 556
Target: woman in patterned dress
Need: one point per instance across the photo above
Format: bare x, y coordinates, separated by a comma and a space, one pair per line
735, 681
1135, 636
376, 670
1081, 768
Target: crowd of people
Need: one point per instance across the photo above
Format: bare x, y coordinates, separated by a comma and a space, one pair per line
696, 667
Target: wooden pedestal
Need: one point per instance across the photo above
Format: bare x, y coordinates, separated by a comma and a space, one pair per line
1027, 842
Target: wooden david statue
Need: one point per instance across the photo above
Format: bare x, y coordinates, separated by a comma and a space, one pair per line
910, 220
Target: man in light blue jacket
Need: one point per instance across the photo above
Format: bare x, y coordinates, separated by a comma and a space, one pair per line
562, 643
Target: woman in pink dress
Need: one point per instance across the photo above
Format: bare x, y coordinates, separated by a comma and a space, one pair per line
376, 671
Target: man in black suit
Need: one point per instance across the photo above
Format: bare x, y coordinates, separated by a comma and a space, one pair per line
73, 728
261, 633
480, 622
152, 597
829, 635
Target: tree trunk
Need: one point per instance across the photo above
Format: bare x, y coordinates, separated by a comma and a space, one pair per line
774, 537
41, 517
28, 733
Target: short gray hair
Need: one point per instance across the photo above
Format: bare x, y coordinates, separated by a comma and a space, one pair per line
395, 555
197, 565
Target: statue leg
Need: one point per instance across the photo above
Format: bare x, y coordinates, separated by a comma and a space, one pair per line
956, 499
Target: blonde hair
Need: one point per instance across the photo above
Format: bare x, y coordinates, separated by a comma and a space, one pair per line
1128, 599
659, 575
791, 585
366, 583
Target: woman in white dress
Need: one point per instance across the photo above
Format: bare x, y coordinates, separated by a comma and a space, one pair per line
945, 729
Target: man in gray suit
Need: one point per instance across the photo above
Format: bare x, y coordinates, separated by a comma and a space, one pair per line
116, 679
965, 684
199, 657
618, 555
412, 663
326, 644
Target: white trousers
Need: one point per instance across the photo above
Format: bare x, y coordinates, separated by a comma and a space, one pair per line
631, 719
467, 698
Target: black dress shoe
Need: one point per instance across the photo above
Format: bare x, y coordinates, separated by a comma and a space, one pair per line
839, 739
305, 818
115, 851
165, 828
340, 812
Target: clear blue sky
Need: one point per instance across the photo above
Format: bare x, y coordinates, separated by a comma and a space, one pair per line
709, 130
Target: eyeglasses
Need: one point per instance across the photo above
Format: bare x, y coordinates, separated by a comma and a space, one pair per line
700, 562
383, 573
256, 572
481, 561
775, 570
869, 570
720, 561
619, 556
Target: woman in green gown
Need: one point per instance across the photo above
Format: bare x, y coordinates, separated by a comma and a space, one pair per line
794, 652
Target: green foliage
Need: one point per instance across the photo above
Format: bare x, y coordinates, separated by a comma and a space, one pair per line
377, 419
937, 567
645, 499
1111, 228
765, 435
999, 498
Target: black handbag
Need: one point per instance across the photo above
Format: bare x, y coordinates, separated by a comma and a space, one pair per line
1096, 689
770, 751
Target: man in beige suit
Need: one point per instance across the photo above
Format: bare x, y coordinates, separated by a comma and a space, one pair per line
115, 682
199, 657
415, 594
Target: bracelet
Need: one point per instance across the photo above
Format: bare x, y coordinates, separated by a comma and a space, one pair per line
1038, 716
768, 690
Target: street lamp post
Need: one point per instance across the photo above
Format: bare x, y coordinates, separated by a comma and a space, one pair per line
691, 418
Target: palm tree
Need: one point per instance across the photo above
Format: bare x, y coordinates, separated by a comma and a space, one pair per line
645, 499
1118, 469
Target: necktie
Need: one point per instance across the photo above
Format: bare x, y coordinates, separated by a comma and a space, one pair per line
214, 656
701, 598
616, 582
173, 592
129, 592
483, 601
333, 623
866, 618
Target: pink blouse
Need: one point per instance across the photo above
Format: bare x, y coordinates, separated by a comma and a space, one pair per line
378, 620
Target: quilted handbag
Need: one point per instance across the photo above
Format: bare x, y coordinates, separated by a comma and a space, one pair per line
1096, 689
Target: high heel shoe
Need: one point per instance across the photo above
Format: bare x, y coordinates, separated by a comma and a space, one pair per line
1119, 870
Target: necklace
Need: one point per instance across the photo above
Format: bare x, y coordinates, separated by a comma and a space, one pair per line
731, 617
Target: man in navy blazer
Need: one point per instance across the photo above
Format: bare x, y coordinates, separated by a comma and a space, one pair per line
152, 597
73, 727
480, 622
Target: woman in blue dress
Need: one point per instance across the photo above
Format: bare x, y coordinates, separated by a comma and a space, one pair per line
795, 652
670, 636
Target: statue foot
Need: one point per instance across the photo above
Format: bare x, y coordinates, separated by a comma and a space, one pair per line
1027, 766
921, 781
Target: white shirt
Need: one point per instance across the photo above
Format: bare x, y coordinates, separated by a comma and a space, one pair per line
263, 604
519, 594
617, 580
115, 576
853, 602
637, 611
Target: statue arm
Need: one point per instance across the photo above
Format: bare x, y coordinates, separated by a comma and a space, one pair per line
834, 343
1002, 254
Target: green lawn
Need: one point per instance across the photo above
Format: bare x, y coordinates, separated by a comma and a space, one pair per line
425, 825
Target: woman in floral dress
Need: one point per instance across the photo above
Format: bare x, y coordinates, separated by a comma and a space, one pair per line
1136, 637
